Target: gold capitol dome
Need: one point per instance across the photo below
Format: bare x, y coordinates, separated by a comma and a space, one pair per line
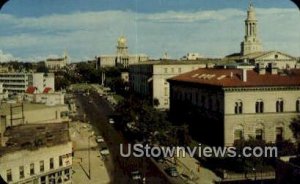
122, 41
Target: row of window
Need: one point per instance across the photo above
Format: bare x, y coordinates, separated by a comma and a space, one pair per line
209, 103
172, 70
259, 106
32, 168
259, 134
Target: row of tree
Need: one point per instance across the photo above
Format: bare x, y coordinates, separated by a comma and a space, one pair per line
150, 125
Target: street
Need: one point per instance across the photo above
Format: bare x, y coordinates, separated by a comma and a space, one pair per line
97, 110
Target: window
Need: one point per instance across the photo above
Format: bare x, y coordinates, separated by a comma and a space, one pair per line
210, 103
51, 178
51, 163
279, 134
9, 175
67, 175
259, 133
166, 70
279, 105
31, 169
238, 134
60, 160
179, 70
259, 106
21, 171
203, 101
238, 108
218, 105
166, 91
43, 180
172, 70
42, 168
298, 105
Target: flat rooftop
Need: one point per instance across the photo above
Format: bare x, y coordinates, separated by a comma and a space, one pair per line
5, 107
34, 136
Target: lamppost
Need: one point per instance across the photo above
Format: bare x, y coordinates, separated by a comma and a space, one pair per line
254, 170
89, 154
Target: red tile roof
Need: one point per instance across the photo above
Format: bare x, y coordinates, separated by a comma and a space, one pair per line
31, 89
233, 78
47, 89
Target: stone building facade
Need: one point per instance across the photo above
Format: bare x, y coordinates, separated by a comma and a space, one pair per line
235, 104
150, 79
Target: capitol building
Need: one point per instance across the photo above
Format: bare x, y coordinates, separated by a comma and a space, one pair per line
121, 58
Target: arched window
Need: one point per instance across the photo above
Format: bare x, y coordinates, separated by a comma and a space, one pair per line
298, 105
259, 106
238, 108
259, 132
279, 134
238, 133
279, 105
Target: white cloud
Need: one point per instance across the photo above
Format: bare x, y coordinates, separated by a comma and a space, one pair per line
5, 57
186, 17
84, 35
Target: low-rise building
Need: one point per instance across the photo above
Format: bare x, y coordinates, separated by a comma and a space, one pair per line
39, 153
13, 114
3, 95
192, 56
54, 64
48, 96
234, 104
149, 79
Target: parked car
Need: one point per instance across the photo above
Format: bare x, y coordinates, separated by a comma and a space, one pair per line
136, 175
99, 139
111, 121
104, 150
159, 159
172, 171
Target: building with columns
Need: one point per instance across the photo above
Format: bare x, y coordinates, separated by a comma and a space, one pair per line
233, 104
252, 50
122, 57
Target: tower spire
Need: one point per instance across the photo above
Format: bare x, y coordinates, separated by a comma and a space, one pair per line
251, 41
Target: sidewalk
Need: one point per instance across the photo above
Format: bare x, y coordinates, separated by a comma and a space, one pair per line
98, 174
195, 174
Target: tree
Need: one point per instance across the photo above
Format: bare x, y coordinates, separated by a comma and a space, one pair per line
295, 127
41, 67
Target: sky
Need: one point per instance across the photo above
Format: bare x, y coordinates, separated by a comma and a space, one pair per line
32, 30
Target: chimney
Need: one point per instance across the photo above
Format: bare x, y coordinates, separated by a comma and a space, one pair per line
274, 69
261, 68
244, 78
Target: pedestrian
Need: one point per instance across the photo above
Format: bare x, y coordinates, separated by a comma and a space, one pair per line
198, 169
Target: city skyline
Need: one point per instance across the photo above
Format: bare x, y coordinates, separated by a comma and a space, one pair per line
34, 31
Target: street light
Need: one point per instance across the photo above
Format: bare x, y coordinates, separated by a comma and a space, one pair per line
89, 154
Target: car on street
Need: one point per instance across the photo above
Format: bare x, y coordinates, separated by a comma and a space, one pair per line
99, 139
159, 158
111, 121
172, 171
136, 175
104, 150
